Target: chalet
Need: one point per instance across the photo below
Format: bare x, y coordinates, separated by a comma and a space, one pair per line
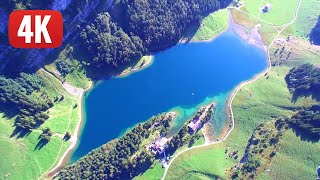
195, 125
158, 146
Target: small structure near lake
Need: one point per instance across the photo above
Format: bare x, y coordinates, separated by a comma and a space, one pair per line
158, 146
199, 120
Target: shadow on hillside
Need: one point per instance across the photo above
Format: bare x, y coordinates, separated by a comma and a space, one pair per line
315, 34
298, 94
40, 144
305, 136
20, 133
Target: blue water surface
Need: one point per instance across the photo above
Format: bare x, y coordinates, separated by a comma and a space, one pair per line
180, 78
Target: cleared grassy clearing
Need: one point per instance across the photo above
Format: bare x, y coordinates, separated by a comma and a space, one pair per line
20, 159
212, 25
281, 12
155, 172
209, 161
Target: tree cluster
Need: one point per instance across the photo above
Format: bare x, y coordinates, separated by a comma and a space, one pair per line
183, 137
25, 95
304, 79
307, 120
109, 45
124, 158
142, 27
64, 67
46, 135
315, 34
161, 24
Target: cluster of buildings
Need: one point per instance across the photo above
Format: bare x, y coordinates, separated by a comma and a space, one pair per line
158, 146
195, 125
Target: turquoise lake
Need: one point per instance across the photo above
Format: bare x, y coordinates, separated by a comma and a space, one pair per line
181, 78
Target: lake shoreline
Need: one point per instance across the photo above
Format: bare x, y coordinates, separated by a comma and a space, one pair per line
255, 40
74, 140
80, 127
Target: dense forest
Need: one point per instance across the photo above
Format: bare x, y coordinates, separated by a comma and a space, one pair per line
25, 4
304, 79
24, 94
107, 44
143, 27
307, 120
315, 33
122, 158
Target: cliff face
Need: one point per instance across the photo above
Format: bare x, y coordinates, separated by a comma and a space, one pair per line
3, 21
20, 59
60, 5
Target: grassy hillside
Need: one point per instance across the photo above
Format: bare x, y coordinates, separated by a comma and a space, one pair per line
209, 162
268, 98
212, 25
25, 160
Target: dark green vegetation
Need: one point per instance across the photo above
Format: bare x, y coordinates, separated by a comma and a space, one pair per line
107, 44
260, 150
122, 158
142, 27
64, 67
184, 136
25, 4
24, 94
315, 33
304, 80
128, 156
307, 121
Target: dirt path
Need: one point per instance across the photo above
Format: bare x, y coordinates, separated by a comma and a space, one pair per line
237, 90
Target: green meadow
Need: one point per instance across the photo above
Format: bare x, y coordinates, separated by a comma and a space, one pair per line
214, 24
208, 162
264, 100
25, 160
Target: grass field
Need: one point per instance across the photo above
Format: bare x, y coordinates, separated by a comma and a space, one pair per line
24, 160
307, 18
296, 159
281, 12
209, 162
212, 25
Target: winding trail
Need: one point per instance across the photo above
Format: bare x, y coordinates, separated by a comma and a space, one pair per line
239, 87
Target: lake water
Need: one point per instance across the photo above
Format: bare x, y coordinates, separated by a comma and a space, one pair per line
181, 78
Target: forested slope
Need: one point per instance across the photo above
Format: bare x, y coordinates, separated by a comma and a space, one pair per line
143, 27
